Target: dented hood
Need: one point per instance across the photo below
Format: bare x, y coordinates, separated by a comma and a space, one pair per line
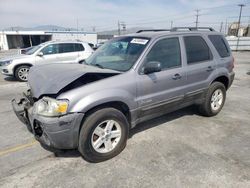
52, 78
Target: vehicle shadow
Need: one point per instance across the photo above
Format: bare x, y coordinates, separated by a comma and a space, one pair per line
10, 79
66, 153
188, 111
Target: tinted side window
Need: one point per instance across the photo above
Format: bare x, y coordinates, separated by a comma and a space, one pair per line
167, 52
197, 49
79, 47
66, 47
50, 49
220, 45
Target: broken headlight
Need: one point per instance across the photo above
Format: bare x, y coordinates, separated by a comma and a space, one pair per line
51, 107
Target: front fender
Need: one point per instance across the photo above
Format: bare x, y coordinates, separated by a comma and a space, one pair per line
95, 99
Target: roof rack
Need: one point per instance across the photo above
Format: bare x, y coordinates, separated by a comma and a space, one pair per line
177, 29
152, 30
192, 28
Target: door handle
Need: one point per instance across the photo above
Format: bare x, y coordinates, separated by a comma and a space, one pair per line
176, 76
210, 68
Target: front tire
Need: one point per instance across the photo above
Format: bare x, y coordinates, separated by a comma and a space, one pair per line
21, 73
214, 100
103, 135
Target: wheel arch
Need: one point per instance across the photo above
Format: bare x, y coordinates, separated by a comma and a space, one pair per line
223, 79
18, 65
119, 105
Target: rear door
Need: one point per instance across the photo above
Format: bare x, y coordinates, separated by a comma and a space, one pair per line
160, 91
84, 50
68, 53
200, 65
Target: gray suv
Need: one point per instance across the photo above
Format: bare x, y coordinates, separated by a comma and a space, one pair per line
129, 79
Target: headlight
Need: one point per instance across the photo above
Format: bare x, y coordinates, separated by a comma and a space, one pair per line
5, 63
51, 107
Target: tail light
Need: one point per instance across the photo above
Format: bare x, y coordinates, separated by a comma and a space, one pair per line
233, 63
231, 66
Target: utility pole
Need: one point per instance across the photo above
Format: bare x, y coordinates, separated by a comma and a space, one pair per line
93, 28
77, 28
123, 26
171, 25
226, 27
240, 5
221, 25
197, 17
119, 29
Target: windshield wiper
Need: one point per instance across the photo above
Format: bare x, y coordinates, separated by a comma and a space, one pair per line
98, 65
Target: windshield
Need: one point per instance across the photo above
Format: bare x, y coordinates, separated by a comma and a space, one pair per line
118, 54
32, 50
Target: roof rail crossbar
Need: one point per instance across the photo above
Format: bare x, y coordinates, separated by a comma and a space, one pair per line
152, 30
192, 28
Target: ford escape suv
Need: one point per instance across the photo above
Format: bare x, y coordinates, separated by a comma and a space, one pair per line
130, 79
48, 52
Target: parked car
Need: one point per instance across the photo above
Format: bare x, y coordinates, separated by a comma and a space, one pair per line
128, 80
49, 52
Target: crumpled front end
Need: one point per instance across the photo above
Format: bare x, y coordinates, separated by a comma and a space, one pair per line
56, 132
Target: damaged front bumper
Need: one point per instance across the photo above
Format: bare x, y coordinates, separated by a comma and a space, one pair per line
55, 132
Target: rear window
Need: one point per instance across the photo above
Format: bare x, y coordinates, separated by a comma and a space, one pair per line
220, 45
70, 47
66, 47
197, 49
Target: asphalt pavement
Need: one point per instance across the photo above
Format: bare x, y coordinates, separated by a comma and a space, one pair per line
181, 149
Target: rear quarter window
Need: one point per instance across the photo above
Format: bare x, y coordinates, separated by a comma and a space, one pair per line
220, 45
66, 47
79, 47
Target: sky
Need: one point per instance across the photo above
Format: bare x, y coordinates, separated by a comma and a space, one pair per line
104, 14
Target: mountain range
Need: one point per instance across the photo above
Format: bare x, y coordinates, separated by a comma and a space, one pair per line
59, 28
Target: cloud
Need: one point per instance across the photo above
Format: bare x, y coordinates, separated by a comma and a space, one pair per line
104, 14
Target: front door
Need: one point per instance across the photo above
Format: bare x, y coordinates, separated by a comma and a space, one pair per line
159, 91
49, 54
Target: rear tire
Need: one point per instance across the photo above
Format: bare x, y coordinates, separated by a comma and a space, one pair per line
21, 73
103, 135
214, 100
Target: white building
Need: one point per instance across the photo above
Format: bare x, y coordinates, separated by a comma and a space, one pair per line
24, 39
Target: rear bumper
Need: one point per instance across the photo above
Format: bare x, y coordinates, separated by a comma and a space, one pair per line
56, 132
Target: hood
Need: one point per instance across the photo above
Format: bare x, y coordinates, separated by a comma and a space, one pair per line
53, 78
14, 57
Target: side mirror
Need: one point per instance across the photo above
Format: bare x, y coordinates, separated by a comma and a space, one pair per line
152, 66
40, 54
